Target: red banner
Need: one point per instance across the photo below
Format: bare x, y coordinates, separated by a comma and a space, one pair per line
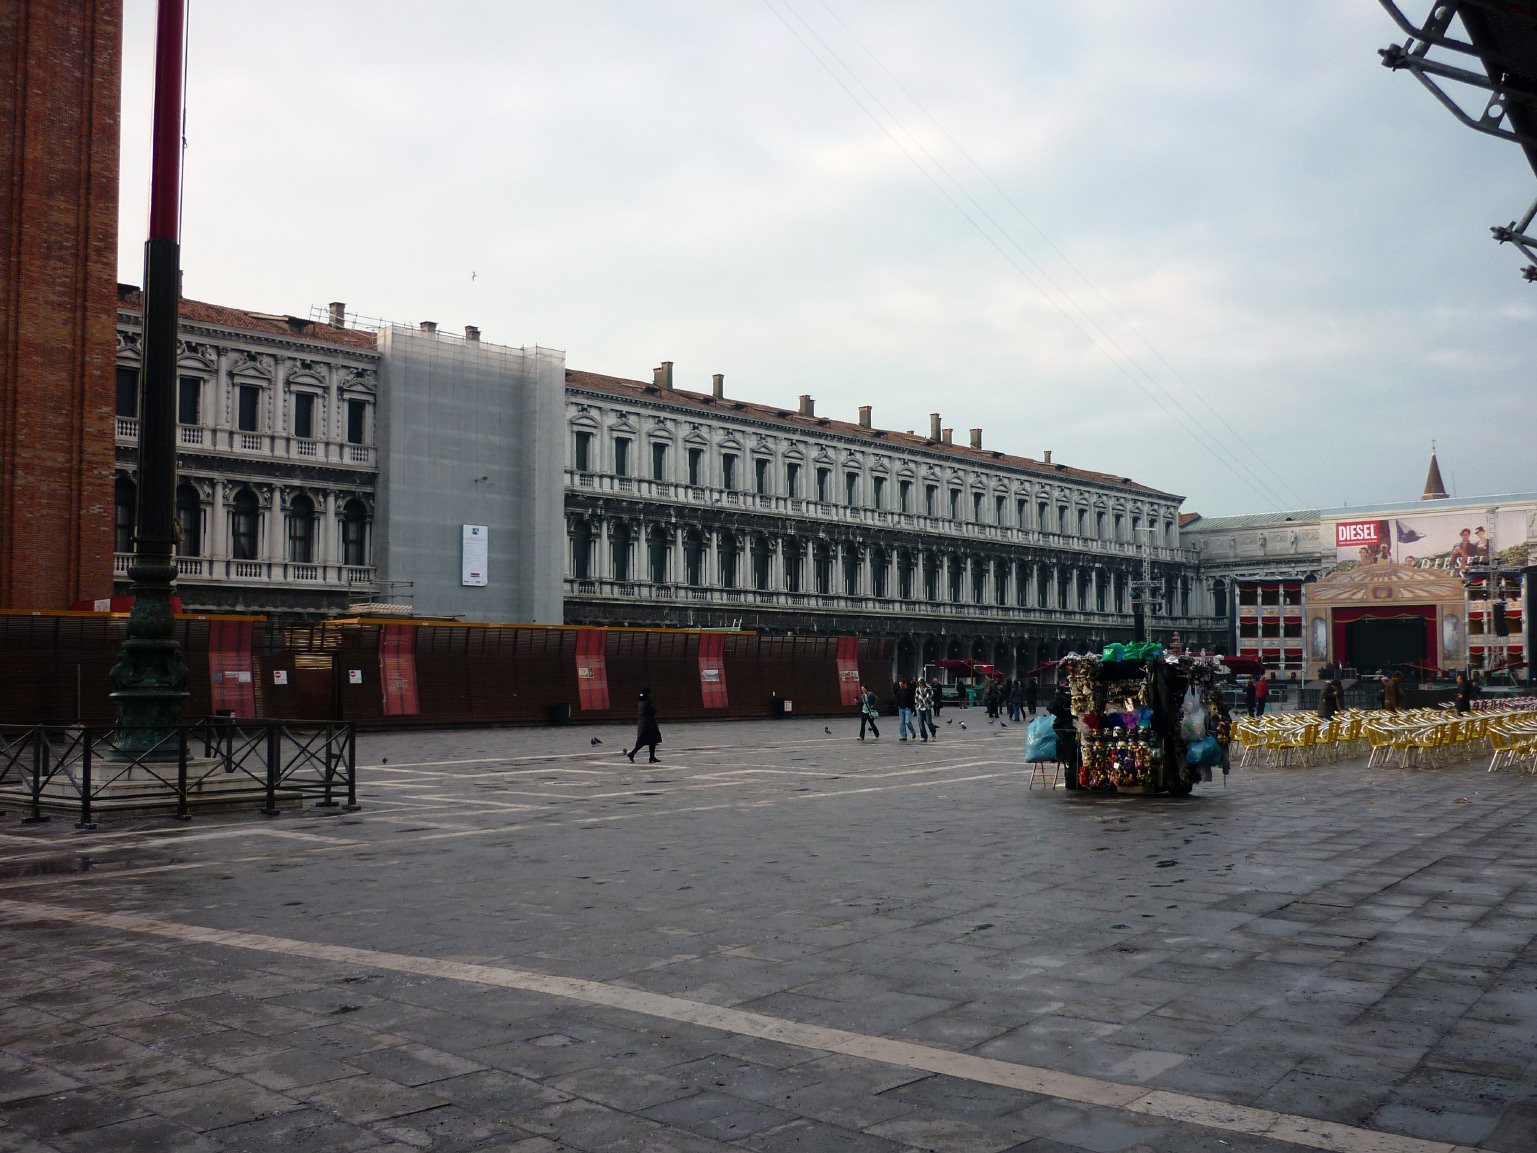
232, 683
397, 669
1358, 533
592, 669
712, 670
848, 670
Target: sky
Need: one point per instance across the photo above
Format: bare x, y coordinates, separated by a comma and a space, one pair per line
1213, 247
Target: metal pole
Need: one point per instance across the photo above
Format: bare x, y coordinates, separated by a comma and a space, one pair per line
85, 823
150, 678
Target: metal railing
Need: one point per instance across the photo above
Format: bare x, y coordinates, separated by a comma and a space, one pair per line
85, 769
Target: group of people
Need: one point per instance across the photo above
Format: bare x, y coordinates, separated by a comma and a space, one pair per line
1256, 694
1016, 697
918, 702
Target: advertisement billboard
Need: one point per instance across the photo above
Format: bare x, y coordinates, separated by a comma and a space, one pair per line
1450, 539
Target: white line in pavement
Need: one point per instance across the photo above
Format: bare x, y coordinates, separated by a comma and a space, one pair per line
1182, 1107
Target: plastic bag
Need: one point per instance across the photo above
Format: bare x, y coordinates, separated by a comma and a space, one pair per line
1204, 752
1192, 717
1041, 739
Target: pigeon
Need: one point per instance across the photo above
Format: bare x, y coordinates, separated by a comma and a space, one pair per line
596, 741
951, 721
1003, 724
827, 730
989, 722
384, 760
963, 724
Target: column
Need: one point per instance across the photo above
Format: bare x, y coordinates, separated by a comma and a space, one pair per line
218, 524
272, 529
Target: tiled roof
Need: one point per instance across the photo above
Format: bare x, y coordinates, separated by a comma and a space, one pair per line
1199, 523
131, 299
792, 419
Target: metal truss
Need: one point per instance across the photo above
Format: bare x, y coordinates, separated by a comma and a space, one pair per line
1502, 40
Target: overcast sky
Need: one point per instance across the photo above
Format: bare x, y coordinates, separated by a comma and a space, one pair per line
1212, 246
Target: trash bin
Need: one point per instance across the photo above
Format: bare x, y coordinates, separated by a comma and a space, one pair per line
560, 714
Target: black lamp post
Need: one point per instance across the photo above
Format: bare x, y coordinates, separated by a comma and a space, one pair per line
150, 678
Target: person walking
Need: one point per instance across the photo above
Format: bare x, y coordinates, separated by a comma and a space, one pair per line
1032, 694
1329, 702
939, 696
904, 698
1065, 725
867, 713
647, 735
1464, 694
923, 705
1016, 700
1392, 691
1261, 694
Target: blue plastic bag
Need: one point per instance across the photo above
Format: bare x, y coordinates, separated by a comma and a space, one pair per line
1041, 739
1204, 752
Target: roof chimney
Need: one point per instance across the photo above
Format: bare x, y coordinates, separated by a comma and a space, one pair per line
933, 426
944, 435
864, 416
430, 327
718, 385
976, 438
472, 334
1046, 457
338, 314
661, 375
808, 406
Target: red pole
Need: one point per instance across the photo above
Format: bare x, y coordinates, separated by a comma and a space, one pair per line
165, 166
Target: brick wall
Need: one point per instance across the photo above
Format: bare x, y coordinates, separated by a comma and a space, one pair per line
60, 75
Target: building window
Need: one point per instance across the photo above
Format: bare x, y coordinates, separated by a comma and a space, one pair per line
695, 465
355, 534
1083, 522
619, 550
304, 415
728, 552
189, 394
824, 482
581, 550
124, 496
301, 530
1099, 526
955, 504
244, 513
760, 469
792, 480
1062, 522
693, 560
931, 500
658, 460
1000, 509
878, 495
127, 395
582, 452
728, 471
851, 489
357, 415
1041, 522
658, 557
976, 507
1022, 512
621, 456
1119, 526
247, 407
904, 495
189, 520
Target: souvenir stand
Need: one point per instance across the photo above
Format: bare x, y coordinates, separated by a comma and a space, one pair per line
1147, 721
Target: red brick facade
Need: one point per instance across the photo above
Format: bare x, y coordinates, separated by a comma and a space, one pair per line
60, 76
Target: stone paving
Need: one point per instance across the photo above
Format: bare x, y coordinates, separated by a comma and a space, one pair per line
780, 939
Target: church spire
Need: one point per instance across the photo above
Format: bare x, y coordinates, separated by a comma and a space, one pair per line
1434, 488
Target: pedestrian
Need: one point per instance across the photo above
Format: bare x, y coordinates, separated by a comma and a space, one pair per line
867, 713
1261, 694
1248, 694
1391, 691
939, 696
923, 705
1032, 694
903, 699
647, 735
1464, 694
1329, 702
1065, 725
1016, 700
990, 698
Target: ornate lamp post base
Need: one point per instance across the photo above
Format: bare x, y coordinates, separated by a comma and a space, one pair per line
150, 677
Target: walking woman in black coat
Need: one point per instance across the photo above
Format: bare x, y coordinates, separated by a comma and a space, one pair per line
647, 735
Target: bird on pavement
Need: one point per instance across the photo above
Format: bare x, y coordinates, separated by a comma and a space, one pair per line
384, 761
951, 721
596, 741
827, 730
1003, 724
963, 724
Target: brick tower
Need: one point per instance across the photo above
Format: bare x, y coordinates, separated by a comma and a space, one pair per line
60, 76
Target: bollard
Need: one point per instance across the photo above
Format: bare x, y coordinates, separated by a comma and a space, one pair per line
183, 807
85, 823
274, 751
37, 816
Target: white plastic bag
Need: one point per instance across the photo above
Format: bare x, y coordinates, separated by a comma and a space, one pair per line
1192, 717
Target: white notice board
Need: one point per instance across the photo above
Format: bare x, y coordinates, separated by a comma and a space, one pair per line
475, 552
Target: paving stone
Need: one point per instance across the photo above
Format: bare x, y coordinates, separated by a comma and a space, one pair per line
140, 1135
230, 1101
804, 1136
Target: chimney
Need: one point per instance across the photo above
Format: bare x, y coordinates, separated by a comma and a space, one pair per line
944, 435
430, 327
976, 438
933, 426
661, 375
338, 314
1046, 457
718, 386
472, 334
808, 406
864, 416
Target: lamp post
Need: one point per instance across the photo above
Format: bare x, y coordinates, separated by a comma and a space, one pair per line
149, 678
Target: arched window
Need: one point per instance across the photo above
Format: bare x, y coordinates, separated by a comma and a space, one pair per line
301, 530
355, 533
619, 549
189, 518
124, 497
245, 513
581, 550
